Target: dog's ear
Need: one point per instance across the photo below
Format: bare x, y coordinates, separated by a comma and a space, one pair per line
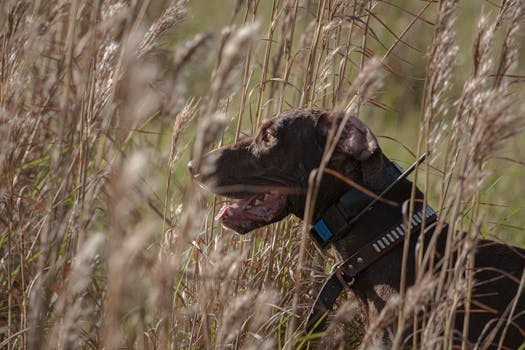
360, 143
357, 140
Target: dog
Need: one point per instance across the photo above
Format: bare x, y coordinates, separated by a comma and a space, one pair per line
268, 174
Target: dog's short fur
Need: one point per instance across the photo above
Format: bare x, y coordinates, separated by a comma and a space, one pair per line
269, 174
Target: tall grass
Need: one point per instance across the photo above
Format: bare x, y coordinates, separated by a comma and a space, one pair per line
106, 243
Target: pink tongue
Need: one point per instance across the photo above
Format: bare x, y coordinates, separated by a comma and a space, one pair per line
248, 214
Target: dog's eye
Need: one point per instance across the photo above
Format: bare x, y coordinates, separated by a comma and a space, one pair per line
269, 136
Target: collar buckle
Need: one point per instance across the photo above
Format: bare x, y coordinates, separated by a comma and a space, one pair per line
344, 274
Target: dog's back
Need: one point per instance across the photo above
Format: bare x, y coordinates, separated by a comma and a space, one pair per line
498, 302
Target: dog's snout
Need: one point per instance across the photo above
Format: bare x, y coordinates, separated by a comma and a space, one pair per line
192, 166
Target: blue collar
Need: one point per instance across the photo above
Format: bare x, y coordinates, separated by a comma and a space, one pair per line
336, 221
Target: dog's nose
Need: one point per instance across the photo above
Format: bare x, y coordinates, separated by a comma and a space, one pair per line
192, 166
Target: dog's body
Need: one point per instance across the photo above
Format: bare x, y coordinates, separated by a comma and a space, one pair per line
267, 170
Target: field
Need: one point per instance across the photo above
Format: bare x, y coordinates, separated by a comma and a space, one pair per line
105, 240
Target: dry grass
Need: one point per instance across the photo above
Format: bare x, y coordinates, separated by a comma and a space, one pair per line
105, 242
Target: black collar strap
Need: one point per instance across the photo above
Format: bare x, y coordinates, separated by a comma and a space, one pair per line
345, 273
336, 221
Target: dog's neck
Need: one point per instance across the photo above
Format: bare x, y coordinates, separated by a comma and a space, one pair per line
376, 221
343, 215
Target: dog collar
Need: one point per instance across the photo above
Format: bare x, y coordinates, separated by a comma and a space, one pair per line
336, 221
345, 273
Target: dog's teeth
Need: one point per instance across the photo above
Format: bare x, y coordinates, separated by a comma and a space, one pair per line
257, 202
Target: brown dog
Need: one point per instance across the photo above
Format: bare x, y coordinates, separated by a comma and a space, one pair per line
269, 174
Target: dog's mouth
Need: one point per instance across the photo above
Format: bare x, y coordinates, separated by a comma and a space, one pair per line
253, 212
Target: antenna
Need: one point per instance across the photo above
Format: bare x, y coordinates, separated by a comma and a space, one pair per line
385, 191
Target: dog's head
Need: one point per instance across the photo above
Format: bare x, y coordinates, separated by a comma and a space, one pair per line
269, 172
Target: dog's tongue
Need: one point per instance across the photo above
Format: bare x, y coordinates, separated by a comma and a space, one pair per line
251, 213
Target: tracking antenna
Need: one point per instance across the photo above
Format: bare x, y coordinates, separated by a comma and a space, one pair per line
385, 191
